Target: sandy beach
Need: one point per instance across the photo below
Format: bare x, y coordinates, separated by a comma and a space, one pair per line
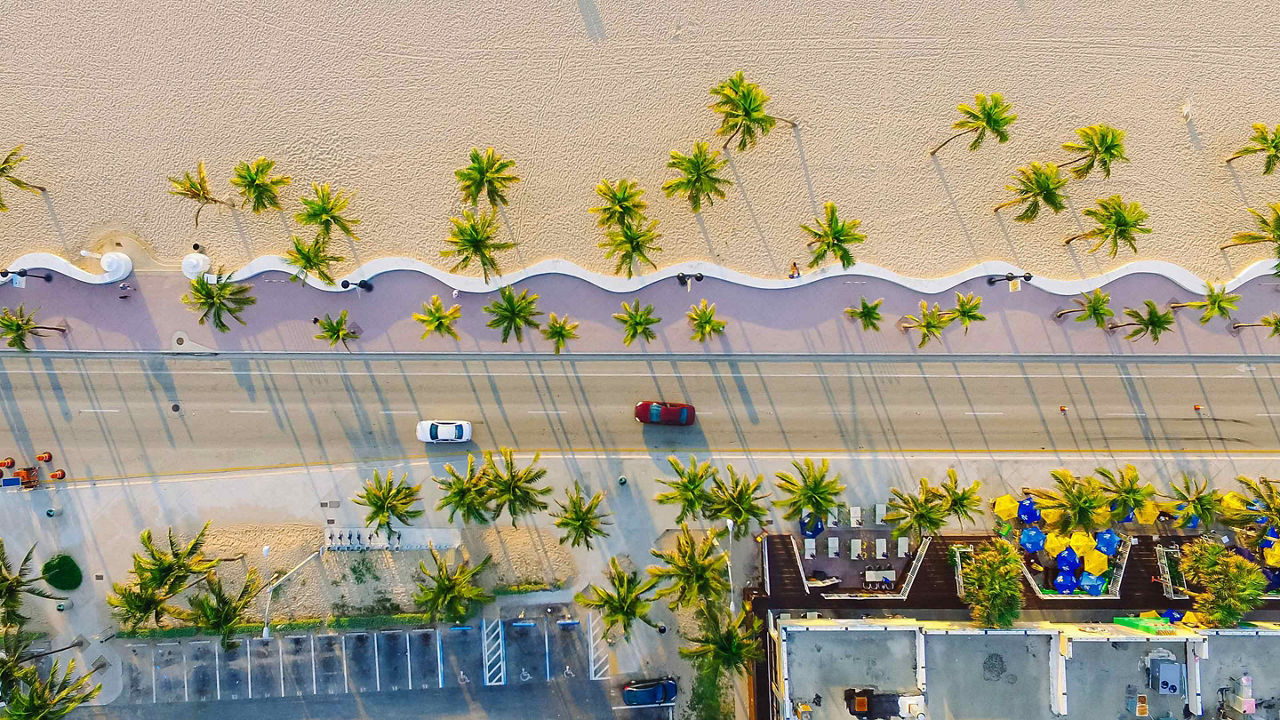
387, 98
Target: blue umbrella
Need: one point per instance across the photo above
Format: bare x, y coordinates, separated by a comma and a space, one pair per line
1273, 579
1127, 518
1068, 561
1027, 511
811, 526
1065, 582
1172, 615
1108, 542
1091, 583
1032, 539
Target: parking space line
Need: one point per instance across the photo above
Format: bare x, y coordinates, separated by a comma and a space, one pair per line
217, 671
280, 648
408, 656
346, 683
377, 670
248, 663
315, 689
546, 650
439, 659
186, 693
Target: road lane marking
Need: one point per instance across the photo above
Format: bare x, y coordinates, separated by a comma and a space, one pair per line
983, 413
546, 412
250, 412
399, 412
1137, 414
99, 410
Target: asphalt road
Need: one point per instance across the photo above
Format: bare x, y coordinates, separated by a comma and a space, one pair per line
128, 417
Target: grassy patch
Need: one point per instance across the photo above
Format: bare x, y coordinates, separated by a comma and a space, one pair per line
709, 698
62, 573
362, 571
522, 588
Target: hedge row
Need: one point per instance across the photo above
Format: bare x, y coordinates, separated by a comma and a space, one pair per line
366, 622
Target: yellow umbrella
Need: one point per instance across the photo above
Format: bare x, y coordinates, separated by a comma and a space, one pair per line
1051, 516
1146, 514
1005, 507
1271, 556
1148, 614
1055, 544
1190, 619
1081, 542
1095, 562
1233, 502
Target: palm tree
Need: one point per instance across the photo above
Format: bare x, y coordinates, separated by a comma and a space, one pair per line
699, 179
15, 653
1260, 512
325, 210
1153, 322
17, 326
1270, 321
217, 612
195, 188
631, 243
389, 500
1268, 229
1118, 223
435, 318
134, 605
1093, 307
623, 204
688, 490
1125, 492
966, 310
1263, 141
335, 330
167, 569
1193, 503
257, 186
916, 515
930, 323
742, 112
958, 503
513, 313
473, 239
623, 602
513, 488
1080, 502
312, 257
580, 518
695, 573
560, 331
702, 318
51, 699
993, 584
466, 493
832, 236
1217, 303
725, 643
9, 164
990, 114
13, 585
218, 299
868, 314
1101, 145
736, 501
1231, 586
637, 322
1035, 184
486, 174
809, 490
450, 593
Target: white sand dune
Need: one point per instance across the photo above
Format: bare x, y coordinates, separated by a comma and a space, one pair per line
386, 99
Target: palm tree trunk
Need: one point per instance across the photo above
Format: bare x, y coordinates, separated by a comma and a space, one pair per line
1179, 306
1063, 313
727, 140
1015, 201
953, 137
1073, 238
49, 327
1073, 162
792, 123
1236, 243
1117, 326
1237, 326
37, 656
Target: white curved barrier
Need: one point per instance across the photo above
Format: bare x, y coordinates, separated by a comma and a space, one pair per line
116, 267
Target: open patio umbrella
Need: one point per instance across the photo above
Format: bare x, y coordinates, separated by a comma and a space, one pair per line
1271, 556
1065, 583
1005, 507
1027, 511
811, 525
1172, 615
1055, 543
1147, 514
1091, 583
1273, 579
1032, 539
1050, 516
1095, 562
1068, 561
1081, 542
1233, 502
1108, 541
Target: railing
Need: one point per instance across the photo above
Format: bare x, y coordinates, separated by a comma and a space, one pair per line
1119, 562
958, 553
904, 589
795, 549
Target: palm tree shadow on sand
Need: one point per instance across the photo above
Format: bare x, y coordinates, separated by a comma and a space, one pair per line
955, 208
751, 210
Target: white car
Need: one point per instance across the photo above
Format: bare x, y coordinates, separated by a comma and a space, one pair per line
444, 431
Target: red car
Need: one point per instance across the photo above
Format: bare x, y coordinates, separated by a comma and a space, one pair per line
653, 412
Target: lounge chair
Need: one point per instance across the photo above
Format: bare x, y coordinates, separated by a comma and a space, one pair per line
810, 548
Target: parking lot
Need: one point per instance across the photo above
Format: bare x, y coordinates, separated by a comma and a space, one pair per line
471, 658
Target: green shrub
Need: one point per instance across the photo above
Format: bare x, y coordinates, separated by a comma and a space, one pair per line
522, 588
62, 573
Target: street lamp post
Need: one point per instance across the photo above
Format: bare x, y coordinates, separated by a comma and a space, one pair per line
362, 284
729, 564
1008, 277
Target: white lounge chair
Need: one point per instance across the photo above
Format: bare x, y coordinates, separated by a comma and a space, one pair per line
882, 548
855, 515
903, 546
833, 518
833, 546
881, 511
855, 548
810, 548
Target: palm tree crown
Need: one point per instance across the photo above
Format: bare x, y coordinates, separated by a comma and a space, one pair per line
134, 605
967, 310
450, 593
918, 515
689, 489
1265, 142
218, 300
737, 501
623, 203
702, 318
388, 500
466, 493
1152, 322
623, 602
1125, 491
16, 326
1217, 302
560, 330
435, 318
988, 114
325, 210
1080, 502
833, 236
959, 503
167, 569
13, 585
512, 313
630, 244
218, 612
580, 518
1093, 307
695, 572
196, 188
513, 488
725, 643
486, 174
1118, 223
257, 186
741, 105
1270, 321
1268, 229
1033, 185
868, 313
637, 322
929, 322
1192, 502
699, 178
809, 490
7, 167
335, 330
53, 698
474, 239
312, 257
1100, 146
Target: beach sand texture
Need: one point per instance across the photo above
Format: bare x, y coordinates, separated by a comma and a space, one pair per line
387, 98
